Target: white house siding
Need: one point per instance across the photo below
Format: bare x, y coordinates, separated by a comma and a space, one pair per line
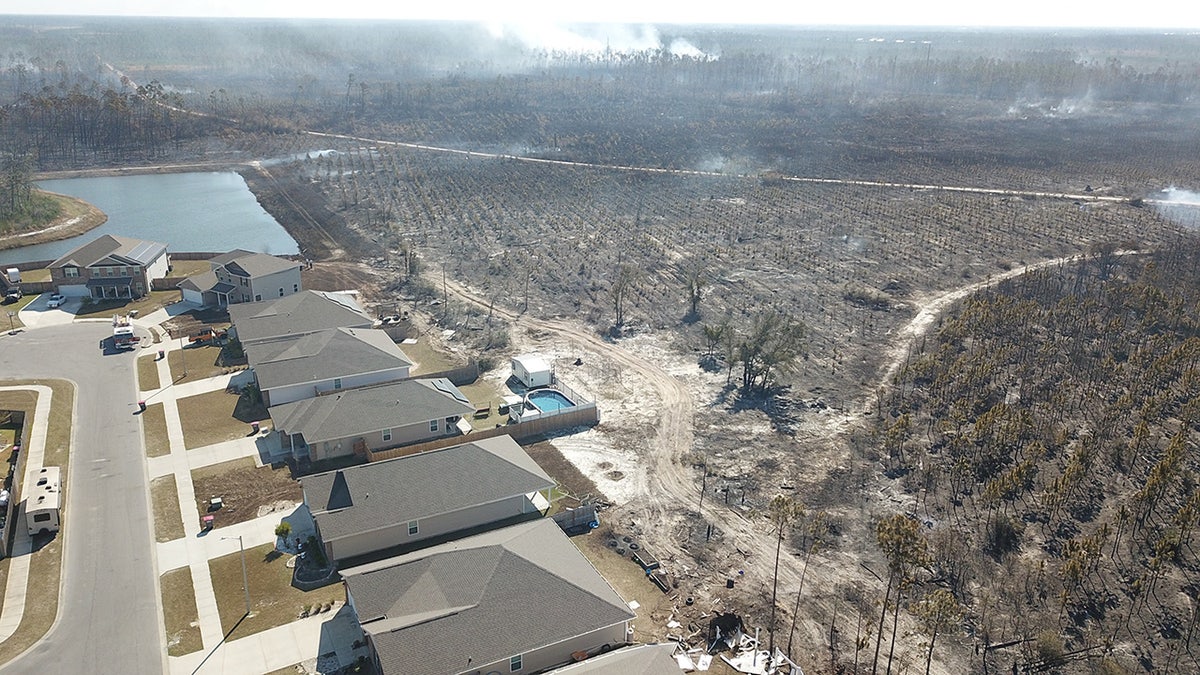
157, 269
269, 286
397, 534
560, 654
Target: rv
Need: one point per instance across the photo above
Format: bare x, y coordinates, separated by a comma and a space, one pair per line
42, 504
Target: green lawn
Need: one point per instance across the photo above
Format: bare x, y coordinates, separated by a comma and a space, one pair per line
273, 599
182, 621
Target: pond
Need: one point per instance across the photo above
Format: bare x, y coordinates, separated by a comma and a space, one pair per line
212, 211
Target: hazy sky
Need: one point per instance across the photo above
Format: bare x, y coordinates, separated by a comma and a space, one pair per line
1168, 14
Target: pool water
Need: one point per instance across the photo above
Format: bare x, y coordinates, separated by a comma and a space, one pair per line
549, 400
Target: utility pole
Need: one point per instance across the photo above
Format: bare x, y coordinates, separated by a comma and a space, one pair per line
245, 578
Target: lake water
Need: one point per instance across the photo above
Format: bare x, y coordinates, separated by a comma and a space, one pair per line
213, 211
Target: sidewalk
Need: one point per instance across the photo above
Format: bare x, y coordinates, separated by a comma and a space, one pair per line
18, 566
299, 641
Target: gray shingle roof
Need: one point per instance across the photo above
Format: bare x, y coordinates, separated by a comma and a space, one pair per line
296, 314
354, 412
421, 486
259, 265
112, 250
323, 356
483, 598
204, 281
652, 659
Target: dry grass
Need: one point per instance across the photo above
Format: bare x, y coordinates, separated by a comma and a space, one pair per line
482, 394
47, 559
15, 308
154, 430
273, 600
180, 618
147, 367
144, 305
428, 359
195, 363
186, 268
36, 276
208, 418
168, 519
243, 489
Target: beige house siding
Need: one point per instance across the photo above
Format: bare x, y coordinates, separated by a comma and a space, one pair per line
299, 392
412, 433
397, 534
277, 285
559, 654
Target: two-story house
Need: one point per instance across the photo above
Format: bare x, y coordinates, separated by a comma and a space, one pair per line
110, 267
242, 276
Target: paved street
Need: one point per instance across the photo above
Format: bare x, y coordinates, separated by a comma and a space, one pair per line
108, 618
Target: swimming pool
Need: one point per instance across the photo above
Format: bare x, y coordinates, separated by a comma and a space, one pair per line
548, 400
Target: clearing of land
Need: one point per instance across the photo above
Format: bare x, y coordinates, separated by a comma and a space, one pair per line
246, 491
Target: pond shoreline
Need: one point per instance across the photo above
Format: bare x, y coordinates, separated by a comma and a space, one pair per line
79, 217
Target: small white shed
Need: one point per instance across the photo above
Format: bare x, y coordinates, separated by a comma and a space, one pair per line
532, 370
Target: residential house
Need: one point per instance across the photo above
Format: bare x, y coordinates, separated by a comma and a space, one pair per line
293, 367
296, 314
650, 659
521, 599
242, 276
402, 503
360, 420
110, 267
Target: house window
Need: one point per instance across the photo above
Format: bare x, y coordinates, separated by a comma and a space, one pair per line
257, 298
387, 434
70, 272
244, 281
413, 528
295, 288
337, 383
514, 664
433, 425
281, 292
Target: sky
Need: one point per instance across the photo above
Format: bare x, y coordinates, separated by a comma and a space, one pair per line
1165, 14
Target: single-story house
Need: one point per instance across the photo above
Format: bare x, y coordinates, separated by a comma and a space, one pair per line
382, 416
242, 276
521, 599
110, 267
649, 659
296, 314
294, 367
532, 371
404, 501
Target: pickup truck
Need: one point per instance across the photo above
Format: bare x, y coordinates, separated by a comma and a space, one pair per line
208, 335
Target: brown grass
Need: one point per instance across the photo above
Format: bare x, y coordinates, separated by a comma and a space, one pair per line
273, 599
168, 519
562, 470
47, 560
70, 207
154, 429
208, 418
197, 362
481, 394
180, 617
186, 268
243, 488
15, 308
147, 369
428, 359
144, 305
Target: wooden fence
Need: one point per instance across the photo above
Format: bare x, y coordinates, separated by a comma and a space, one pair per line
585, 415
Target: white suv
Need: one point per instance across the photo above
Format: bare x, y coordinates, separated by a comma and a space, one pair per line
56, 300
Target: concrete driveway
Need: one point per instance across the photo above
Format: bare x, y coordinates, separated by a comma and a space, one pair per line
37, 315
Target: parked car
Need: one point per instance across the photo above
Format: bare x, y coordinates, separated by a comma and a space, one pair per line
12, 296
56, 300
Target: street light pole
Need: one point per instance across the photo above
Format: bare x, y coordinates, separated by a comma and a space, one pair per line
245, 579
183, 356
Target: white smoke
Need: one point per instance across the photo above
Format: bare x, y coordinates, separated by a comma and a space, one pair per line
1179, 206
592, 39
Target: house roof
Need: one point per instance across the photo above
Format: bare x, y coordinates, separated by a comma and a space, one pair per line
296, 314
459, 606
323, 356
652, 659
204, 281
353, 412
532, 363
420, 486
258, 265
110, 249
